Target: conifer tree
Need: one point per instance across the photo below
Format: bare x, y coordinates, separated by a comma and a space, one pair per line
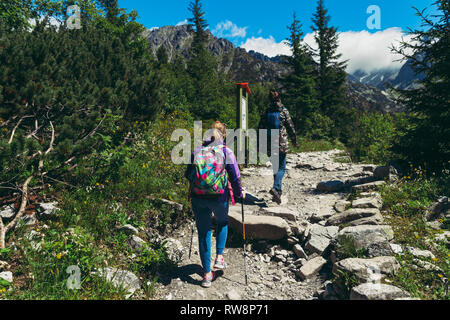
331, 72
300, 94
426, 142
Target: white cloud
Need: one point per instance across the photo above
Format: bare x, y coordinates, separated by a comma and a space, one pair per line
364, 50
269, 46
181, 23
368, 51
229, 29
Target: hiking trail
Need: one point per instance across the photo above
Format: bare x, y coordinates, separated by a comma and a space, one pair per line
272, 270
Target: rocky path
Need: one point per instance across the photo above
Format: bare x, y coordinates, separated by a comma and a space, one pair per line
284, 262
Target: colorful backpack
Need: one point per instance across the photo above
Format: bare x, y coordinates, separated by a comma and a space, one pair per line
209, 174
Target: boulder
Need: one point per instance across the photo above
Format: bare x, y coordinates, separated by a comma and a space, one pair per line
341, 205
129, 229
377, 291
7, 276
8, 212
280, 212
136, 243
385, 172
365, 270
260, 227
350, 215
311, 268
420, 253
365, 235
330, 186
367, 186
363, 203
376, 219
48, 210
120, 278
319, 238
299, 252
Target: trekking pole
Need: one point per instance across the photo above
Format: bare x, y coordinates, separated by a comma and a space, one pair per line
243, 235
192, 237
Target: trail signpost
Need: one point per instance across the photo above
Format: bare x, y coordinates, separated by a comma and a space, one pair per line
242, 94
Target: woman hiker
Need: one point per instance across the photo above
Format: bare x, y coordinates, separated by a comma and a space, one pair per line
214, 178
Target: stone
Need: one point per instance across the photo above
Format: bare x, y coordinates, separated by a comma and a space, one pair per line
377, 291
376, 219
299, 252
136, 243
311, 268
367, 186
420, 253
369, 168
233, 295
350, 215
364, 203
7, 276
365, 235
129, 229
384, 172
48, 210
280, 212
341, 205
379, 249
373, 269
126, 279
396, 248
260, 227
3, 265
319, 238
330, 186
8, 212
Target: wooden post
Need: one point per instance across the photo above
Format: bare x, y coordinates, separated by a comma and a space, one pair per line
242, 94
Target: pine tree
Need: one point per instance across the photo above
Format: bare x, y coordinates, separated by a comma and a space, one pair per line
331, 72
300, 94
427, 141
202, 68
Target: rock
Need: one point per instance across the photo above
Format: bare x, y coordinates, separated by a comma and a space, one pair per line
124, 278
443, 237
367, 186
350, 215
436, 212
29, 219
233, 295
48, 210
420, 253
129, 229
379, 249
280, 212
136, 243
260, 227
311, 268
373, 269
8, 212
377, 291
341, 205
365, 235
396, 248
369, 168
3, 265
376, 219
367, 203
385, 172
319, 238
330, 186
7, 276
299, 252
175, 249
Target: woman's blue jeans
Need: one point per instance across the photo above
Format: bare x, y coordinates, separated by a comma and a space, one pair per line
278, 176
202, 210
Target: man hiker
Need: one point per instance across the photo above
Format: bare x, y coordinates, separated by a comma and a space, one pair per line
278, 117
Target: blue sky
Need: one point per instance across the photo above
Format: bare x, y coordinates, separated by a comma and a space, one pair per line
261, 25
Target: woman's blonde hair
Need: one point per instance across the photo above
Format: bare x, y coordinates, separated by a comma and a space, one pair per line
219, 131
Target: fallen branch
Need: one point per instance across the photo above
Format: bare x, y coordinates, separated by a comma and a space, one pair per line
10, 226
15, 128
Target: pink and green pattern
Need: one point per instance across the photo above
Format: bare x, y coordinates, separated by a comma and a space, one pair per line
210, 176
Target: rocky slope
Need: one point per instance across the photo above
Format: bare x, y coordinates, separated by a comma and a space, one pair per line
252, 66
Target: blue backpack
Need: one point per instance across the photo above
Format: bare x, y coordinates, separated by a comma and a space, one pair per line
273, 120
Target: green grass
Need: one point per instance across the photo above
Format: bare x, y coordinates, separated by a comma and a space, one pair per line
405, 203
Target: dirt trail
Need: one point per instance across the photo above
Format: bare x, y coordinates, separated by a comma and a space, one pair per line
271, 274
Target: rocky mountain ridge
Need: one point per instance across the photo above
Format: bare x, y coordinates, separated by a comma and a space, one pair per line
252, 66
